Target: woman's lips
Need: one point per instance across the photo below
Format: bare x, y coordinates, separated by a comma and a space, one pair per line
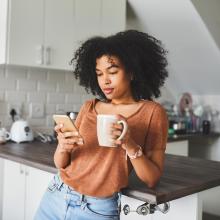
108, 91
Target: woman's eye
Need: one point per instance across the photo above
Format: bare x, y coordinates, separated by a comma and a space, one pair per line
98, 74
113, 72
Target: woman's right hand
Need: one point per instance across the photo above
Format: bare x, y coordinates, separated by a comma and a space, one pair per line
67, 141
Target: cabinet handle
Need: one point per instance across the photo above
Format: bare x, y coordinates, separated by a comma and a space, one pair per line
26, 171
21, 169
48, 55
39, 54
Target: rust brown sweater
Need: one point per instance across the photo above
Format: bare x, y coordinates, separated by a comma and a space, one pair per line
101, 171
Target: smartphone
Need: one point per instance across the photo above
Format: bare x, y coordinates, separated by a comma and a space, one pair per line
68, 124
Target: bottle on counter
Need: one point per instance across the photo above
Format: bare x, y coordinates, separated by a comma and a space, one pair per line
188, 120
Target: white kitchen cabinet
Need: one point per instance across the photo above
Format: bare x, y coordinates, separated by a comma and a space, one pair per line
113, 16
180, 148
21, 31
87, 18
99, 17
38, 33
1, 187
45, 33
23, 188
59, 33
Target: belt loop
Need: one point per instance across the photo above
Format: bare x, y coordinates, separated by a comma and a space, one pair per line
82, 198
60, 182
119, 202
60, 186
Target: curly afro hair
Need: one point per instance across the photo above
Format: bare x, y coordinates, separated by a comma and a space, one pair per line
141, 54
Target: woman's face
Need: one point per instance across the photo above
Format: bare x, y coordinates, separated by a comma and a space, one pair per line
112, 78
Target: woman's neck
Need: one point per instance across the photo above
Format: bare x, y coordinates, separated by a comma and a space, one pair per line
122, 101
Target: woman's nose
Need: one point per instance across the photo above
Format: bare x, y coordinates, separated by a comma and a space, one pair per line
107, 80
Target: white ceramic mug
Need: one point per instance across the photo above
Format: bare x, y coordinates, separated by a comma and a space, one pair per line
104, 123
4, 135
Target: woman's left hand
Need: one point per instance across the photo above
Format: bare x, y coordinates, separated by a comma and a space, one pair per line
117, 129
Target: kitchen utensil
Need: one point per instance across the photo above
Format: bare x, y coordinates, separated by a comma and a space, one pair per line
21, 132
4, 135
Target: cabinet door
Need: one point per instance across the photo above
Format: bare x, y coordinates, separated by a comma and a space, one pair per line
113, 16
180, 148
1, 186
13, 193
36, 184
87, 19
59, 33
25, 34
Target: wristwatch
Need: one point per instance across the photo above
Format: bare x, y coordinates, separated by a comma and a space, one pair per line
137, 154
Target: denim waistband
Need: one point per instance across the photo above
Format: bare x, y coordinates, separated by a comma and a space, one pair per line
61, 186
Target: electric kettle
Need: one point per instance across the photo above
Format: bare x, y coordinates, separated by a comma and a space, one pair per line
21, 132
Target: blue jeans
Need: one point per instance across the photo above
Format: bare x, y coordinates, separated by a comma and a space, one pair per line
62, 202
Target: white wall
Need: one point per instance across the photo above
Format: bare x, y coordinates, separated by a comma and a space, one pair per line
57, 90
209, 12
194, 63
194, 57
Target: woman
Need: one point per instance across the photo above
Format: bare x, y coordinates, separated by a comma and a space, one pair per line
126, 72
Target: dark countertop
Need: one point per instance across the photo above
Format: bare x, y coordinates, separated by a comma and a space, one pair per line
190, 136
182, 175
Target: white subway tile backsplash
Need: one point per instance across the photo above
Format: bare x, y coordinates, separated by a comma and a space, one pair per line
2, 95
7, 84
16, 96
56, 76
36, 97
69, 76
63, 108
3, 108
20, 108
76, 107
50, 109
37, 74
79, 89
47, 86
14, 72
87, 97
7, 122
55, 98
57, 90
36, 122
2, 120
25, 110
64, 87
43, 129
49, 121
73, 98
27, 85
2, 72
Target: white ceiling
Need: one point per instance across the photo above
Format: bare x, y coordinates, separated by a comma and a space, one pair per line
194, 57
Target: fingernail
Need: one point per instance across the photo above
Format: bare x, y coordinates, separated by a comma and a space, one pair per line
61, 125
76, 133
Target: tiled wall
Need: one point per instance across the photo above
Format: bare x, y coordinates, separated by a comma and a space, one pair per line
57, 90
